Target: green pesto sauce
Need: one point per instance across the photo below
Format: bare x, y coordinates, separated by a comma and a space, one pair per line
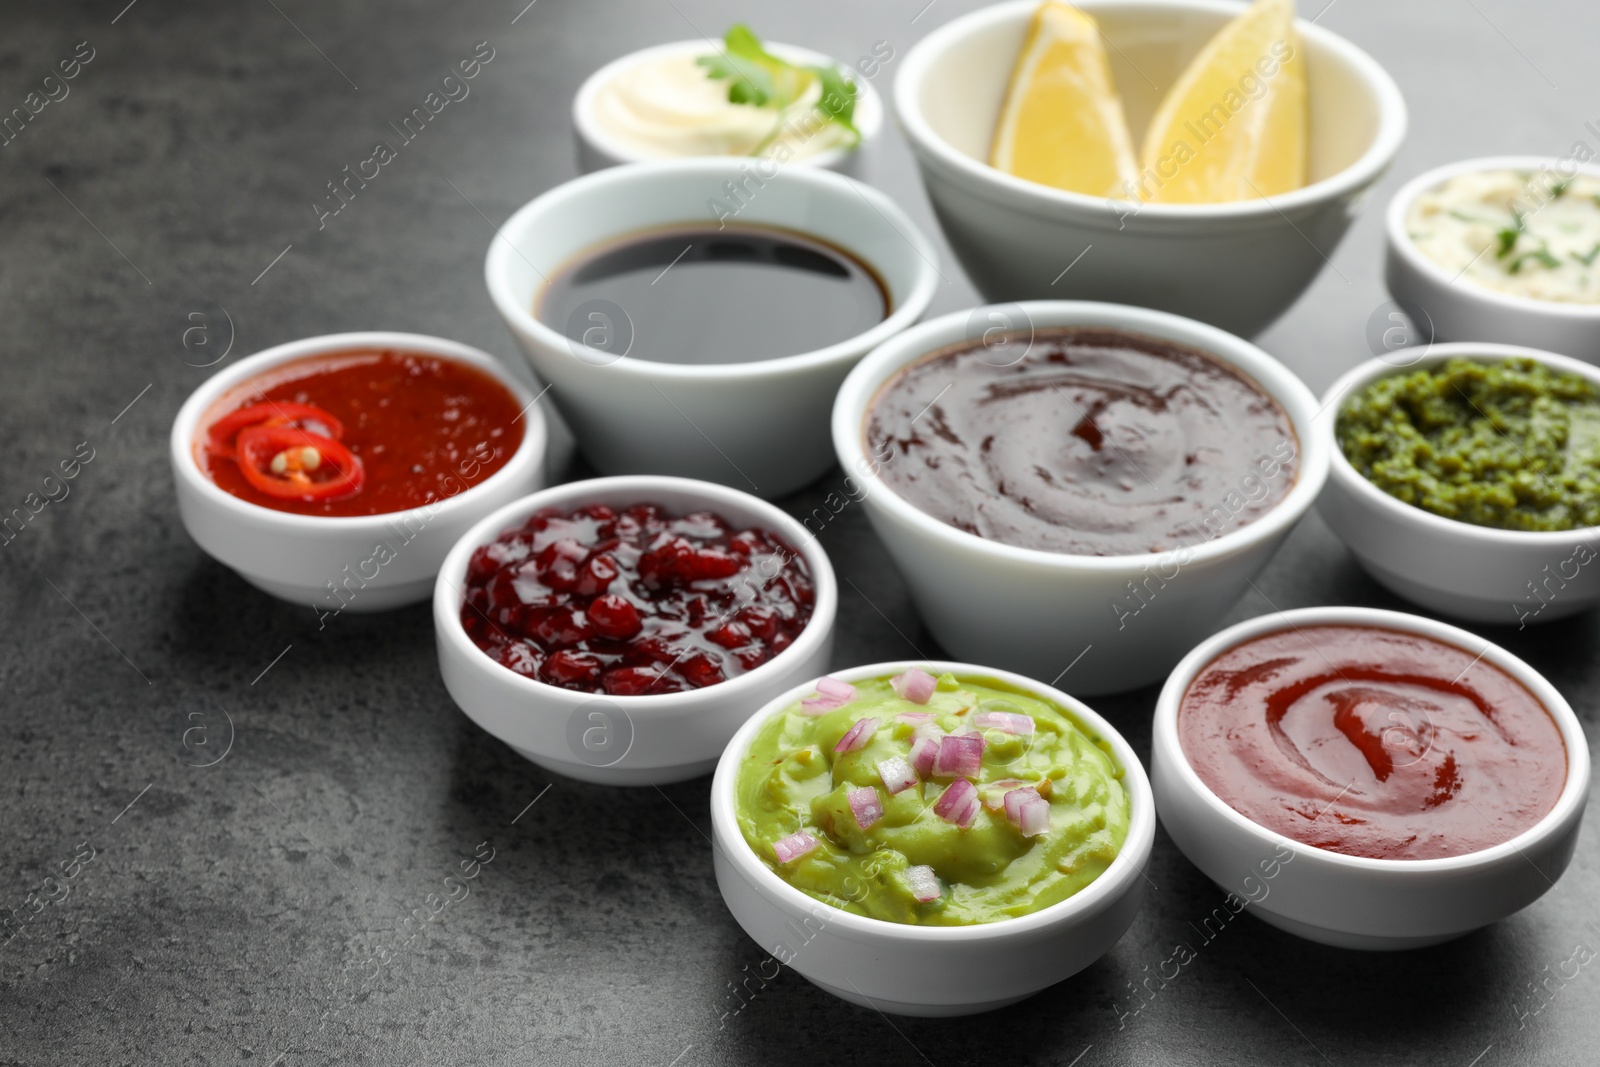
1512, 444
792, 779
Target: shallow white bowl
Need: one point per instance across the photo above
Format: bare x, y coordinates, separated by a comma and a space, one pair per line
930, 970
759, 426
1456, 568
598, 149
1458, 309
1353, 901
322, 562
1236, 265
624, 740
1052, 615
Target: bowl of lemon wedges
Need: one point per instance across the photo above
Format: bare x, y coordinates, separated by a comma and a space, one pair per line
1184, 155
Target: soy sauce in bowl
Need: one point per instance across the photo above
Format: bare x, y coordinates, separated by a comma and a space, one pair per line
695, 294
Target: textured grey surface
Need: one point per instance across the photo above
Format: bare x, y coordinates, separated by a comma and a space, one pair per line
230, 913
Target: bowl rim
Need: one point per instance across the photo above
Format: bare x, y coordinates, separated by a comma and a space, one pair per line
1400, 243
448, 592
619, 181
1363, 171
1570, 802
1368, 494
602, 142
1114, 881
185, 426
886, 361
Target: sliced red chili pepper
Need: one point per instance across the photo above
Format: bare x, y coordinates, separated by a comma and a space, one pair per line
286, 461
221, 437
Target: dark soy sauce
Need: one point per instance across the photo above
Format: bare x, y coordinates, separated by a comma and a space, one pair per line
699, 295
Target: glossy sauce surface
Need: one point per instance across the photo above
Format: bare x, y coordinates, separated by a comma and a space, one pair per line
1096, 442
700, 295
1372, 742
635, 600
424, 427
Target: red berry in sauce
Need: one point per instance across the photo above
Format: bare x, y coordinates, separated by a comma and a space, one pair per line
637, 601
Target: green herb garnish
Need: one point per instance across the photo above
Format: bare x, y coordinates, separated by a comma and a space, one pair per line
1507, 237
1587, 258
1542, 255
1560, 188
757, 78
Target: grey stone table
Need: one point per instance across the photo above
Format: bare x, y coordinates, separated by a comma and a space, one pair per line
246, 911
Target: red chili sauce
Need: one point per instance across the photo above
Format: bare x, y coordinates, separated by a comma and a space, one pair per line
359, 433
1372, 742
636, 600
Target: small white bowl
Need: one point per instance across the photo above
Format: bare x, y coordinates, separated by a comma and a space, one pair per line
931, 970
1053, 615
1236, 265
624, 740
598, 149
321, 561
1452, 567
1354, 901
1459, 309
760, 426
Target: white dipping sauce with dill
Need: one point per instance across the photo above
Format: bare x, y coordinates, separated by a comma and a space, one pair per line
1532, 234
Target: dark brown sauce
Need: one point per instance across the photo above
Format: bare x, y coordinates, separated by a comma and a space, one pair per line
695, 294
1097, 442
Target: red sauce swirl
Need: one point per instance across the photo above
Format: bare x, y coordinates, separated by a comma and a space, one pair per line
1372, 742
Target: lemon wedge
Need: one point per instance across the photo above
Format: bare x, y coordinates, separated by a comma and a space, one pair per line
1062, 123
1234, 125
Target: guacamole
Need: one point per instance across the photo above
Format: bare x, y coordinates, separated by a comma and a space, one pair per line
964, 801
1512, 444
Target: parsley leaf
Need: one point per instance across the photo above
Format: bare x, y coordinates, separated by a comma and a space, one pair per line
758, 78
1587, 258
1507, 237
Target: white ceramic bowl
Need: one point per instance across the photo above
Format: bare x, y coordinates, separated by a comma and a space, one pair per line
598, 149
758, 426
1456, 568
1052, 615
323, 562
931, 970
1235, 265
1353, 901
624, 740
1458, 309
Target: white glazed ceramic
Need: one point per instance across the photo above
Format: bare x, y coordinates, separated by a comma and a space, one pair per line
930, 970
1236, 265
325, 562
758, 426
1353, 901
624, 740
1456, 568
1076, 620
598, 149
1459, 309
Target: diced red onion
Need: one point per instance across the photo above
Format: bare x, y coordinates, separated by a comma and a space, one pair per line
959, 755
831, 693
794, 846
1009, 721
832, 687
866, 806
923, 753
1028, 811
924, 883
896, 774
857, 736
1035, 818
914, 717
915, 685
958, 803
